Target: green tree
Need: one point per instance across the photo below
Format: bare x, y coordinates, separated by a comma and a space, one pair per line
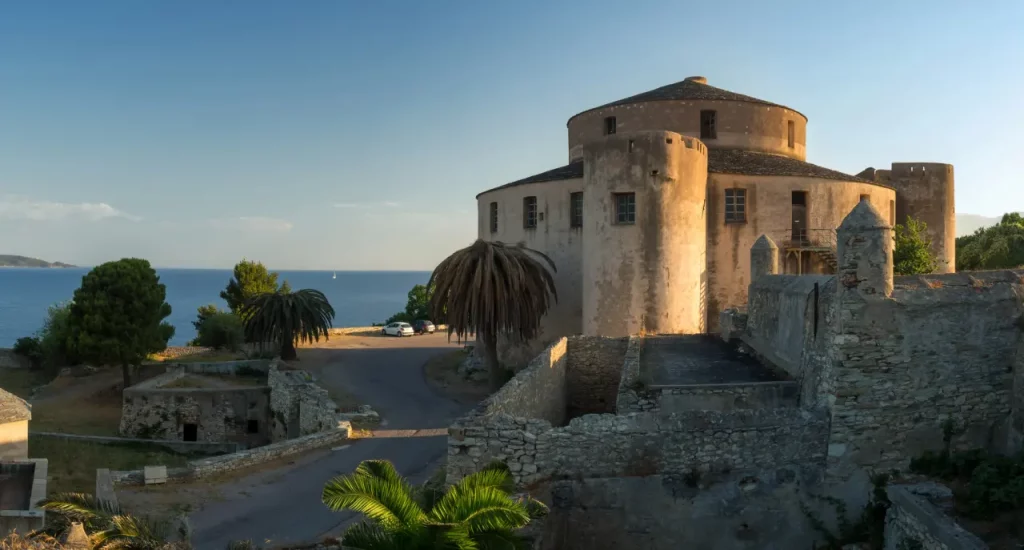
475, 513
287, 318
117, 315
912, 254
55, 338
203, 313
249, 281
107, 525
222, 330
1000, 246
491, 288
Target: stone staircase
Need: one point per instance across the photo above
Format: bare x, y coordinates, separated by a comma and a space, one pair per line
829, 257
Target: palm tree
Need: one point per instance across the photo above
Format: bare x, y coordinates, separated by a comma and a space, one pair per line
491, 288
109, 527
476, 513
288, 317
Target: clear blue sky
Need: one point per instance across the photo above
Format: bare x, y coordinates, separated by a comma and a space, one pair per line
355, 135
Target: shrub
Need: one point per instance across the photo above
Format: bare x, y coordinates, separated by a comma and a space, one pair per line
30, 348
912, 254
222, 331
54, 339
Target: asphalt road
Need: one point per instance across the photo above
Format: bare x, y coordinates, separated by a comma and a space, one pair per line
283, 507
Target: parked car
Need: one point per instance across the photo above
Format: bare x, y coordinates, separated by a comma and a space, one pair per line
398, 329
423, 327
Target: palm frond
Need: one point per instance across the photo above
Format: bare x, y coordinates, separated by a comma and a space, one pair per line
500, 540
480, 509
493, 288
381, 469
383, 499
301, 316
79, 506
128, 532
371, 536
496, 475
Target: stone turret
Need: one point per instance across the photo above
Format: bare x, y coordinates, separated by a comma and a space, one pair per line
865, 253
764, 258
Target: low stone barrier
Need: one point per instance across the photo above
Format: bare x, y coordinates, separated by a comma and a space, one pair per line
11, 360
915, 521
222, 367
184, 447
206, 467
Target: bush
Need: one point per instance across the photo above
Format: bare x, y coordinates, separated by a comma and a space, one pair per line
912, 254
30, 348
54, 339
222, 331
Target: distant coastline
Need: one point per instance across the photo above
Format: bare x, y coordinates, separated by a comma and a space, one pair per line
8, 260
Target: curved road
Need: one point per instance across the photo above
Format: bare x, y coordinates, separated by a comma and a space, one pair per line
283, 506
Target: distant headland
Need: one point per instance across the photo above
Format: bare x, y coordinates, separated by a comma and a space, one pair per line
8, 260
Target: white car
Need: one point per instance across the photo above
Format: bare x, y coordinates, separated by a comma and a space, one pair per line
398, 329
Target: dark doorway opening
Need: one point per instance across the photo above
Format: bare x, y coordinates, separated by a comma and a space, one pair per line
800, 217
253, 427
191, 432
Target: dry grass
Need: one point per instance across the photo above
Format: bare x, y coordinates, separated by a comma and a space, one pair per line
96, 414
21, 381
14, 541
442, 374
205, 357
73, 464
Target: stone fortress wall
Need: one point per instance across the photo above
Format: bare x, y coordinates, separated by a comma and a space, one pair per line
874, 371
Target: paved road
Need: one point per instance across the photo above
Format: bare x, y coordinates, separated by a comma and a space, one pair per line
284, 507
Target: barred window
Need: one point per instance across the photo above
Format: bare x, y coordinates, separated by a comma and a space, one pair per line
625, 208
494, 217
735, 206
530, 212
609, 125
576, 209
708, 129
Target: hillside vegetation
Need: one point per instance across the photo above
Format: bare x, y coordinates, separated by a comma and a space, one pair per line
10, 260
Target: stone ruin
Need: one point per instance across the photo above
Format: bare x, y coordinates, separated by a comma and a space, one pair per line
252, 403
688, 441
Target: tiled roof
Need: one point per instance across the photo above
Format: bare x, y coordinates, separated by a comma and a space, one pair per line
720, 161
687, 90
733, 161
569, 171
13, 408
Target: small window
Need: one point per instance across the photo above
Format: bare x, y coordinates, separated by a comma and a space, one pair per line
735, 206
799, 198
864, 198
253, 426
494, 217
625, 208
791, 132
609, 125
530, 212
892, 212
576, 209
191, 432
707, 125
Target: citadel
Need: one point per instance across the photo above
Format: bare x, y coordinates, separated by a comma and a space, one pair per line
650, 222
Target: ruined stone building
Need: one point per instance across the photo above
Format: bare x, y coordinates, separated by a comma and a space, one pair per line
651, 222
22, 479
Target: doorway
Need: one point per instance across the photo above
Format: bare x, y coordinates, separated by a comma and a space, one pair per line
799, 228
191, 432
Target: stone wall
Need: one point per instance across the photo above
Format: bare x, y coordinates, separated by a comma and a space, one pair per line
241, 367
914, 522
298, 406
726, 397
11, 360
178, 446
22, 486
536, 392
680, 512
152, 411
205, 467
639, 444
594, 373
940, 352
633, 395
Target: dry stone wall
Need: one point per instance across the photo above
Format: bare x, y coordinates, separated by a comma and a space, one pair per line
939, 353
914, 522
298, 406
594, 373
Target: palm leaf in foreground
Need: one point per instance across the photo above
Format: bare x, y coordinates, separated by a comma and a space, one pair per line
476, 513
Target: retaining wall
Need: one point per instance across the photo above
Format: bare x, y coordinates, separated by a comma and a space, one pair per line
205, 467
914, 522
184, 447
594, 374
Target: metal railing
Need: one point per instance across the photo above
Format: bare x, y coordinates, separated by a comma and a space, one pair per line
810, 238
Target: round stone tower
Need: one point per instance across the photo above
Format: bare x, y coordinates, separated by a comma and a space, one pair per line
644, 234
924, 191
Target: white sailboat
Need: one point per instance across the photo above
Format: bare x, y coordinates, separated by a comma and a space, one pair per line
335, 276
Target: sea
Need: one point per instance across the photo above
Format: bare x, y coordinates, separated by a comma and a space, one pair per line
359, 298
